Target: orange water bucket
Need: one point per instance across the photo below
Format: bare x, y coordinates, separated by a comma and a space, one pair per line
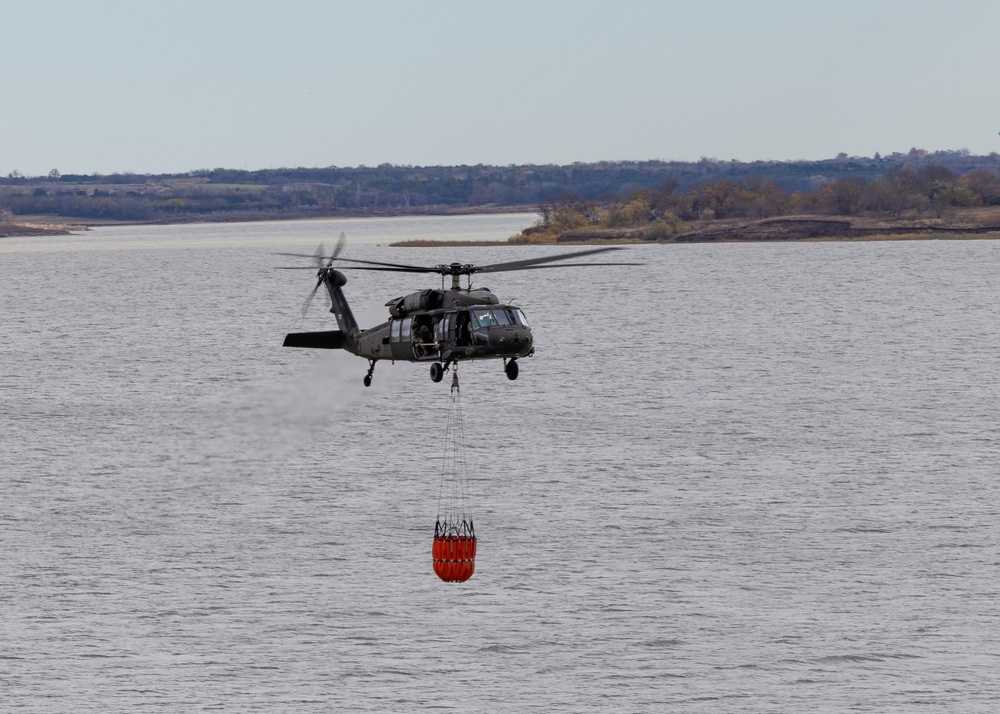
454, 557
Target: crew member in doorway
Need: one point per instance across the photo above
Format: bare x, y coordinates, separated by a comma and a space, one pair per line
422, 338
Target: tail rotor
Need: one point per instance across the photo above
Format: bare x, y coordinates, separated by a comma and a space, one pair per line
324, 264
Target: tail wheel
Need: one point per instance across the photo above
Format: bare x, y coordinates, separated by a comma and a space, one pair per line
437, 372
511, 369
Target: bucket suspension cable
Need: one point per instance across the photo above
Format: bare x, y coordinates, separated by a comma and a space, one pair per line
454, 517
454, 552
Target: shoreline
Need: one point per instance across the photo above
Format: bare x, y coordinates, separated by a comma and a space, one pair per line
635, 241
970, 224
56, 225
26, 230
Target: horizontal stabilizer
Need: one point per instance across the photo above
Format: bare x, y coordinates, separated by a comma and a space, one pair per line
330, 340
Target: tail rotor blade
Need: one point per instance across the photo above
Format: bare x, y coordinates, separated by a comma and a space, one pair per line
324, 263
320, 255
322, 258
339, 248
308, 302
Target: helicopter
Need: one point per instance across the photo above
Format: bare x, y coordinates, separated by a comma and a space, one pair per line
441, 327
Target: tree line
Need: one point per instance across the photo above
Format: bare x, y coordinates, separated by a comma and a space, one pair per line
610, 193
926, 190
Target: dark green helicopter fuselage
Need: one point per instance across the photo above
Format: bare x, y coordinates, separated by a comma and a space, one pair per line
443, 326
437, 326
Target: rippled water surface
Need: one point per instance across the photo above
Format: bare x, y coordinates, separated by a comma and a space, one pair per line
738, 478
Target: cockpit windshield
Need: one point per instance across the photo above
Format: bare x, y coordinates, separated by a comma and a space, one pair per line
497, 316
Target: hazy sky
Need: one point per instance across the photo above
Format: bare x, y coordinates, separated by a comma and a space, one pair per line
104, 86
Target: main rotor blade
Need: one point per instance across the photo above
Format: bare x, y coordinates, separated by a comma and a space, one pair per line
531, 262
387, 267
390, 266
390, 269
298, 255
320, 252
566, 265
456, 268
493, 268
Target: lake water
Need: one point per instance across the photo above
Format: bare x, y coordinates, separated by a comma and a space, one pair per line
737, 478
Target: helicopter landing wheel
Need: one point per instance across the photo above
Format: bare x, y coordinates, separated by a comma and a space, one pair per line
511, 369
437, 372
371, 370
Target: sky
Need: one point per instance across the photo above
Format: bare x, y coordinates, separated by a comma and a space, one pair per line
108, 86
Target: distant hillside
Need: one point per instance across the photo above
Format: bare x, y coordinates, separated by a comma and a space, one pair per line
226, 194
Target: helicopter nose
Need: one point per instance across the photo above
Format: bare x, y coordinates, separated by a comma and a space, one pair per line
510, 340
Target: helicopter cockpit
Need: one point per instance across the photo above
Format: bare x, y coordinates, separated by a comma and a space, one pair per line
500, 330
488, 317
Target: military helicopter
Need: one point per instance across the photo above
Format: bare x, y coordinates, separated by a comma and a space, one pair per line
441, 327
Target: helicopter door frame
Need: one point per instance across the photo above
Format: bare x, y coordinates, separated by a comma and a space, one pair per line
461, 322
441, 329
400, 346
425, 328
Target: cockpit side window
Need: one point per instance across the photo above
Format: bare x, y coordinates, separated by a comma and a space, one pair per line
482, 318
518, 316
